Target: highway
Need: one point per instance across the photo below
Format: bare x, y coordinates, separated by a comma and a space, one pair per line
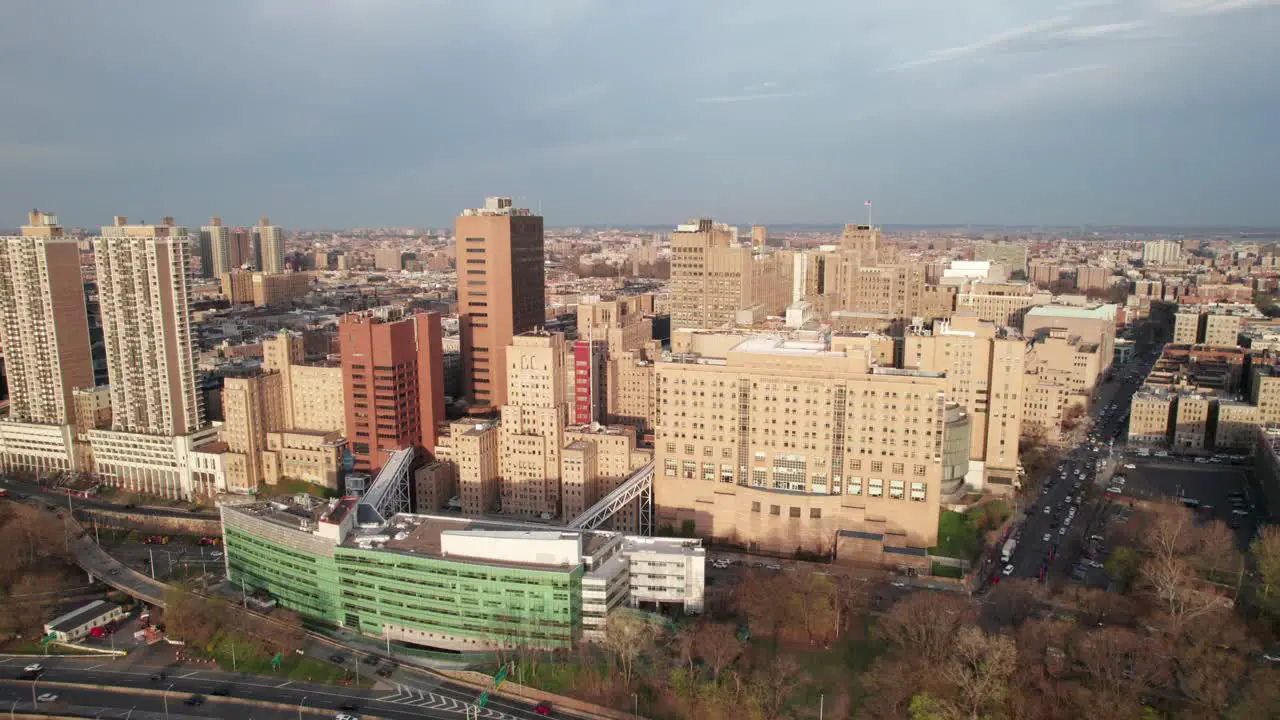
59, 499
402, 696
1053, 523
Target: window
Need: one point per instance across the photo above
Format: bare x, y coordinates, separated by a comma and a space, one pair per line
815, 513
757, 478
775, 510
917, 491
877, 466
875, 487
897, 488
918, 471
897, 468
854, 487
755, 507
688, 449
795, 512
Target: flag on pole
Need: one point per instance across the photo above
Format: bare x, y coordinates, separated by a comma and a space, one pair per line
867, 203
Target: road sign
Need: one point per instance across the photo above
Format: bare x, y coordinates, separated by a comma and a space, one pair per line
275, 662
484, 699
502, 675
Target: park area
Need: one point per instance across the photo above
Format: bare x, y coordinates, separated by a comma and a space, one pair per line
962, 535
791, 644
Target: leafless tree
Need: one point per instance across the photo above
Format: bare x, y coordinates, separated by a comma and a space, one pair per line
924, 623
980, 669
776, 681
628, 637
717, 644
1180, 593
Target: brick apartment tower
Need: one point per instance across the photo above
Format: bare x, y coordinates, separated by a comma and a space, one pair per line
393, 381
146, 324
44, 328
501, 293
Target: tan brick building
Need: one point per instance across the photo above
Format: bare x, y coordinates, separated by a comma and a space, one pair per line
779, 444
533, 423
1191, 421
984, 367
474, 451
713, 280
1151, 417
280, 288
1237, 426
1003, 304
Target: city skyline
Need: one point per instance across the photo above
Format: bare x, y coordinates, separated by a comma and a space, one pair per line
388, 113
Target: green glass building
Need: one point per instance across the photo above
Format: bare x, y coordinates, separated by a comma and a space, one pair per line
444, 583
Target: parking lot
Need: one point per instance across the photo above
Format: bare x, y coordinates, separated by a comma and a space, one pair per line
1206, 485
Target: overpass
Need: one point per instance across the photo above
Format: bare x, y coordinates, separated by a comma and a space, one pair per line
101, 566
639, 486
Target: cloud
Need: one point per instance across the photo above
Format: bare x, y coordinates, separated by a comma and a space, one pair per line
1067, 72
745, 97
1213, 7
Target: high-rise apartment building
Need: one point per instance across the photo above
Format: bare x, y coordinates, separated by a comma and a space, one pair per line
216, 254
44, 328
393, 373
1012, 255
781, 444
1093, 278
271, 242
1157, 253
501, 293
146, 320
533, 422
984, 365
245, 249
713, 279
759, 236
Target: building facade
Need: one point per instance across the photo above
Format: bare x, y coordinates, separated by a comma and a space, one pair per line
501, 293
146, 319
393, 375
44, 326
780, 443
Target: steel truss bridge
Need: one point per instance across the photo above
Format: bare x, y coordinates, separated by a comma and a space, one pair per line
637, 487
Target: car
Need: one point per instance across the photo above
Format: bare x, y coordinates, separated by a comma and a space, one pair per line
157, 677
371, 660
542, 708
349, 707
345, 716
337, 659
773, 566
48, 697
1239, 511
194, 701
383, 672
1047, 510
216, 554
1008, 569
113, 571
222, 692
1063, 531
1047, 537
33, 667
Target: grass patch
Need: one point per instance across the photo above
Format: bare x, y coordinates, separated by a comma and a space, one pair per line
289, 486
957, 536
33, 646
292, 666
946, 571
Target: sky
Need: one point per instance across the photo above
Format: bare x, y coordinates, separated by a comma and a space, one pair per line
359, 113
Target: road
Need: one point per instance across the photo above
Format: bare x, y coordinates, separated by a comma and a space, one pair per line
59, 499
404, 695
1069, 505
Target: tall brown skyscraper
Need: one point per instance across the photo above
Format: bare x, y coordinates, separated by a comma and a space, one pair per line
393, 377
43, 325
501, 293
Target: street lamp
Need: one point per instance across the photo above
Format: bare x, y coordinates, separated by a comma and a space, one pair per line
166, 700
300, 704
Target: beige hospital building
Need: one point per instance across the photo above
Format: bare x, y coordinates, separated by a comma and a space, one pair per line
780, 443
